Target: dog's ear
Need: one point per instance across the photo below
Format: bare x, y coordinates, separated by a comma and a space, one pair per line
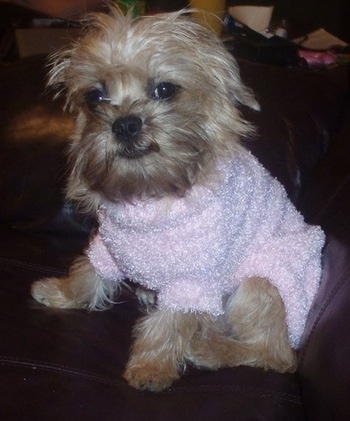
220, 63
58, 65
226, 71
239, 91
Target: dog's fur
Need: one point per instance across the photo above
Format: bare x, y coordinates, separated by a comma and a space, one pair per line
118, 69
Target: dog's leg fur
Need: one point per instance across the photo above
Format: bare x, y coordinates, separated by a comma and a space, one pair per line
257, 314
158, 353
252, 332
259, 337
82, 288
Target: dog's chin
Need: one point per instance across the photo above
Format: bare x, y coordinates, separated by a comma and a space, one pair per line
132, 152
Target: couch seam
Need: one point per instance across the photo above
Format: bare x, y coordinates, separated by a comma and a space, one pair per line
51, 367
333, 293
323, 209
252, 391
32, 266
69, 371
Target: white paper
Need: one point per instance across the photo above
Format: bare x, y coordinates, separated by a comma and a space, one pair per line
319, 40
255, 17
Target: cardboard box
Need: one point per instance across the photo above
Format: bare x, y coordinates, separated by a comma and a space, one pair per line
32, 41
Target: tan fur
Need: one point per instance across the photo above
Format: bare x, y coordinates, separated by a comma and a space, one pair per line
257, 335
180, 140
158, 353
82, 288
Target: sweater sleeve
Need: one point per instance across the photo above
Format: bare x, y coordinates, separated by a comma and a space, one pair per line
102, 260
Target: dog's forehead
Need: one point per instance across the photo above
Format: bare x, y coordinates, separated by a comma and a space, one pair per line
149, 50
149, 43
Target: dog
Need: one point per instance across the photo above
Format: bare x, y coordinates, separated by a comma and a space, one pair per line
226, 265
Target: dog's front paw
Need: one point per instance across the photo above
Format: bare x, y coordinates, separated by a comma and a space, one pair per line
150, 376
146, 297
51, 292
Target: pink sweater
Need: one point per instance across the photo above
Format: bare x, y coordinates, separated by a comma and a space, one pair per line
195, 250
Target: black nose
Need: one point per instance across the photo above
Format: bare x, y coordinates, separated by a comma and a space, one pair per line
126, 128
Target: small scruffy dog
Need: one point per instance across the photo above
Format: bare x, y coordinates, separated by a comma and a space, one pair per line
227, 265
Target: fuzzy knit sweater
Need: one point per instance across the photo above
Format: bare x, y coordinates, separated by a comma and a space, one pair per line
197, 249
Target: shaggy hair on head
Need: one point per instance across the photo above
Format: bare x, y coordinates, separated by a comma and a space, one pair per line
126, 60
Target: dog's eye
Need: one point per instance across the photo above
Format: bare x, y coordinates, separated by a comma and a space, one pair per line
94, 97
164, 91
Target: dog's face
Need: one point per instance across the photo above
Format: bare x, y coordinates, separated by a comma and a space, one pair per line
156, 102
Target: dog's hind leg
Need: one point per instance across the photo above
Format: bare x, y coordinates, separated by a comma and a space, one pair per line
256, 332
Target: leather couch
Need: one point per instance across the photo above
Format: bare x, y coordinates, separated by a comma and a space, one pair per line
65, 365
